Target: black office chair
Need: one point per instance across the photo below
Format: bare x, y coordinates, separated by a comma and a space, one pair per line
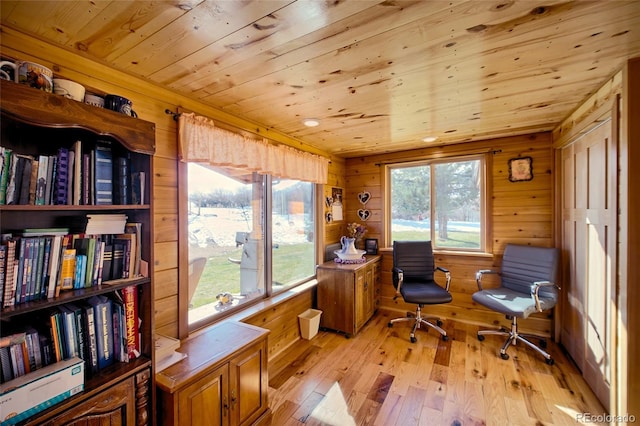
413, 277
528, 284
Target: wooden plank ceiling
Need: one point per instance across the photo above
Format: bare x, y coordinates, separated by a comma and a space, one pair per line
379, 75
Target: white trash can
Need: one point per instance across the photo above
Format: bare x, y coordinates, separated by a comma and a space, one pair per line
309, 323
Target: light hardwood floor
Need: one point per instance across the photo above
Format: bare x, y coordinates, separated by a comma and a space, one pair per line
379, 378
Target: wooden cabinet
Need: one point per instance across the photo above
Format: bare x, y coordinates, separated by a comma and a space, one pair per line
36, 123
347, 294
117, 405
222, 381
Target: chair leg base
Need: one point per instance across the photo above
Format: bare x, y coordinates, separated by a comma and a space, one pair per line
512, 338
419, 320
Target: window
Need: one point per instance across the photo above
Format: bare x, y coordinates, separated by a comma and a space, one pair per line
239, 249
439, 200
292, 223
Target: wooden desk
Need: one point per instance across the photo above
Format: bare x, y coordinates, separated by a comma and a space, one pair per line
347, 295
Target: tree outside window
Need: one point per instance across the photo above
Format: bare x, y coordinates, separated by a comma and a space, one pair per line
439, 201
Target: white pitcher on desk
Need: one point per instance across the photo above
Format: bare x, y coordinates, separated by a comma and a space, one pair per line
348, 245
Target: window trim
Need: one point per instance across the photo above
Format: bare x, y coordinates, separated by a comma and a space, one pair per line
485, 203
184, 328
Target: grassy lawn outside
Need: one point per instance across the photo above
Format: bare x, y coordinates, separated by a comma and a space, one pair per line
457, 239
291, 262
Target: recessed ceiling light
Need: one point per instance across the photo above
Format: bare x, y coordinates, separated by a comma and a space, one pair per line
311, 122
430, 139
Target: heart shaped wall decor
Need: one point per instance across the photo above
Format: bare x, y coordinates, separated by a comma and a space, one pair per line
364, 197
364, 214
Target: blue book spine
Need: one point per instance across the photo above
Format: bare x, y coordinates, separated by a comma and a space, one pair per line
104, 330
81, 269
103, 173
62, 177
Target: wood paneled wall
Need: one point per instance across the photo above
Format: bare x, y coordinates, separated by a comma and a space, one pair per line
519, 212
150, 103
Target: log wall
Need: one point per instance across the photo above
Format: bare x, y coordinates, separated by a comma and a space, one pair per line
519, 212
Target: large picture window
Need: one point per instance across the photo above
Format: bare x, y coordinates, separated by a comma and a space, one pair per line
441, 201
245, 242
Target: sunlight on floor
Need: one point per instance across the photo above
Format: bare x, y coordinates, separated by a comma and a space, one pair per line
333, 409
573, 414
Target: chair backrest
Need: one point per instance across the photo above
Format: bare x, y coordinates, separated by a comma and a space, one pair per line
415, 258
523, 265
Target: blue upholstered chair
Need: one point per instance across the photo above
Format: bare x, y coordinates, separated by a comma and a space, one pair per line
528, 277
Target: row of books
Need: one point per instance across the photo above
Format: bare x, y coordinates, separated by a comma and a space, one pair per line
34, 267
75, 176
101, 330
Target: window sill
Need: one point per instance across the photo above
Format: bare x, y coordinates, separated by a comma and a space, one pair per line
389, 250
263, 305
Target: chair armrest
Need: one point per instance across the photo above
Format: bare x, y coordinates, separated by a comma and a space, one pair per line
447, 275
400, 274
479, 276
535, 288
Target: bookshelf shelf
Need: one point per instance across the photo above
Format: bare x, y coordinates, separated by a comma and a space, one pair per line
33, 124
71, 296
76, 208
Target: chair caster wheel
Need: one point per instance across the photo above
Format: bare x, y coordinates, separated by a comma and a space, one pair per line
480, 337
549, 361
439, 323
504, 356
390, 324
413, 339
445, 338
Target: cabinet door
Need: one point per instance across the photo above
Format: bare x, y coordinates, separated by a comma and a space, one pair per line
205, 402
369, 292
336, 300
360, 298
365, 295
115, 406
249, 384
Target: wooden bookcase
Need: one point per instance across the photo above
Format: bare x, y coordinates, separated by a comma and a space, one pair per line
38, 123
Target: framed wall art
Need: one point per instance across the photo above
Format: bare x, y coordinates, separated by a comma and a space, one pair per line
371, 245
520, 169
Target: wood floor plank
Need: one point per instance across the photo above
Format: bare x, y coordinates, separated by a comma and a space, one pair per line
389, 410
517, 412
283, 413
474, 403
495, 409
411, 409
307, 406
436, 393
378, 377
534, 400
368, 412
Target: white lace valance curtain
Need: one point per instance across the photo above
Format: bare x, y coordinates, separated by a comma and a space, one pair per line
202, 142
